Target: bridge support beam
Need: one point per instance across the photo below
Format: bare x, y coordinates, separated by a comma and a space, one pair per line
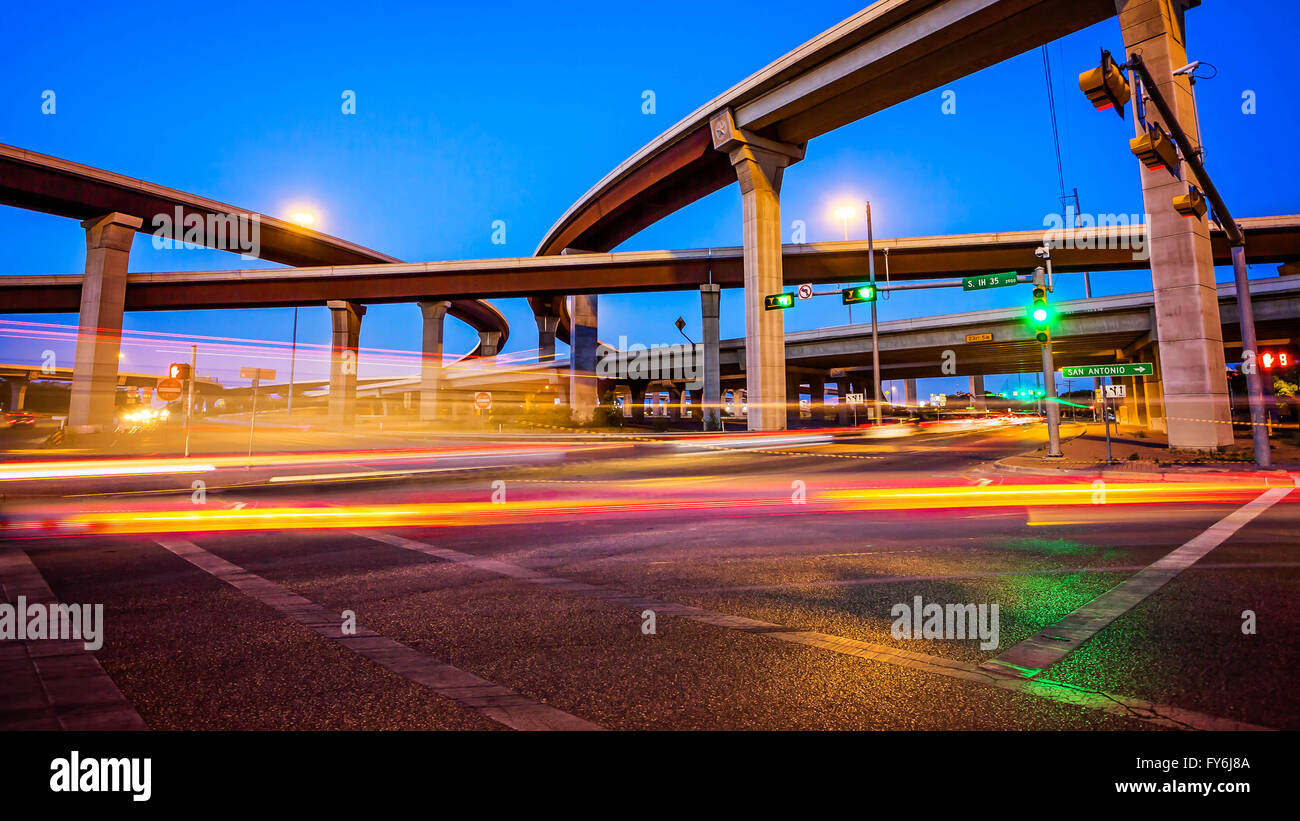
1153, 393
99, 337
1182, 265
488, 344
760, 164
793, 387
345, 322
17, 392
583, 397
435, 315
977, 392
909, 392
844, 413
546, 325
710, 301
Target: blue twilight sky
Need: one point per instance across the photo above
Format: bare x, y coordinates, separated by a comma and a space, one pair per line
470, 113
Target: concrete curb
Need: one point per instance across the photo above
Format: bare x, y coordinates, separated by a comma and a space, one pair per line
1102, 472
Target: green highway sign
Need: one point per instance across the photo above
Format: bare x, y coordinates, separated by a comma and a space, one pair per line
979, 283
1117, 369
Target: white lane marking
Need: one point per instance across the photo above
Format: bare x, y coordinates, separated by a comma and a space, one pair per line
1048, 646
498, 703
1163, 715
78, 694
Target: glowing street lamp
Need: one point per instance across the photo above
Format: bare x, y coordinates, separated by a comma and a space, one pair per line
303, 218
846, 213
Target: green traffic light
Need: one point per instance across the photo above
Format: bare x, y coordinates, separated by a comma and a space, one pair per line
1040, 314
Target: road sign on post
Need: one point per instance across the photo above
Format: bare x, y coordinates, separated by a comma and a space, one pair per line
1115, 391
1117, 369
169, 390
805, 291
259, 374
984, 281
483, 400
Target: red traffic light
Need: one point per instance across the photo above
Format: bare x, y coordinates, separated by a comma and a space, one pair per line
1191, 204
1156, 149
1106, 86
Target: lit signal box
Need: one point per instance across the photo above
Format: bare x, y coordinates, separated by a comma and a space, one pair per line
1156, 149
862, 293
778, 302
1106, 86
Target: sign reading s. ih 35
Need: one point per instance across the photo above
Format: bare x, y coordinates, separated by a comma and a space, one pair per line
1117, 369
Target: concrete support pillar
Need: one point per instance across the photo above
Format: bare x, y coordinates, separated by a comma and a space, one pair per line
99, 335
793, 387
710, 300
817, 397
345, 321
759, 165
435, 315
638, 390
977, 392
674, 401
17, 392
697, 413
488, 342
1153, 391
844, 413
582, 357
909, 392
546, 325
1182, 266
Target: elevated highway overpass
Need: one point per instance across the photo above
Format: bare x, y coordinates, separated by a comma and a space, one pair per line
113, 207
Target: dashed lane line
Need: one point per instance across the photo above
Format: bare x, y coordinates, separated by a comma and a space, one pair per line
1048, 646
54, 684
1162, 715
493, 701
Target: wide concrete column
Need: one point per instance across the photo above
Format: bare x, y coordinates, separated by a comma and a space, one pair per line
583, 346
99, 335
17, 392
909, 392
345, 322
759, 165
435, 315
1182, 266
977, 392
710, 301
1154, 394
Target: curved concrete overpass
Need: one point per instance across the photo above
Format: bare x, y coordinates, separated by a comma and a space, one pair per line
883, 55
55, 186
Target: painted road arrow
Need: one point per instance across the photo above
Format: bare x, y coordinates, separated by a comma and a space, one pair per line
1117, 369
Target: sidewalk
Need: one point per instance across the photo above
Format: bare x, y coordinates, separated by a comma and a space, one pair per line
1139, 453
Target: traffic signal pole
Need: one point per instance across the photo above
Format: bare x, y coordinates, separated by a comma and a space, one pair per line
1049, 385
189, 396
875, 338
1237, 242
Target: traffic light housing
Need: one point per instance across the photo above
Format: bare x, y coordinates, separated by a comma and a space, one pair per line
862, 293
178, 370
1106, 86
1191, 204
1040, 315
1156, 149
778, 302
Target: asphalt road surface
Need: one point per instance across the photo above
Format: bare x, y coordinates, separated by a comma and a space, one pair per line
751, 585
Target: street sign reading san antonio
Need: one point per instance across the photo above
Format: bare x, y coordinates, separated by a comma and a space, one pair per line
1117, 369
979, 283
